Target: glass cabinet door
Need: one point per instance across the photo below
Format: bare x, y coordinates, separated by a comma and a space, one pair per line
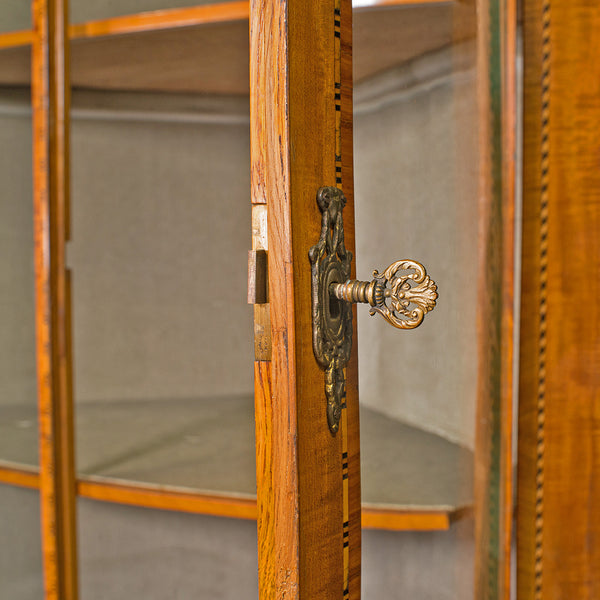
433, 120
416, 157
162, 332
433, 183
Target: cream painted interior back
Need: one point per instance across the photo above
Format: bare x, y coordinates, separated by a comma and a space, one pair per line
18, 384
416, 177
161, 230
15, 15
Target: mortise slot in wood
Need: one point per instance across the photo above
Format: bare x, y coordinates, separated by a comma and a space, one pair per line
257, 277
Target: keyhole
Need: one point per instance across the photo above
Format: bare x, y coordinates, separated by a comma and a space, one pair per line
334, 307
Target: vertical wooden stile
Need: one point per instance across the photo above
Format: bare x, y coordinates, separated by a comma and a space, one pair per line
50, 100
308, 511
497, 21
558, 507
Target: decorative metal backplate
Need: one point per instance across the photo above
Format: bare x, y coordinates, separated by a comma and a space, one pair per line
332, 318
403, 294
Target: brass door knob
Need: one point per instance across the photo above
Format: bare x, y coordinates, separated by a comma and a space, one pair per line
402, 299
402, 295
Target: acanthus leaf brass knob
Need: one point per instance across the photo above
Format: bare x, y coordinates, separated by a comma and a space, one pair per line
403, 294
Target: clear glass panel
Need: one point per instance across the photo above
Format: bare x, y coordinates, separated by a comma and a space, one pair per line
18, 386
162, 331
129, 552
90, 10
15, 15
416, 193
20, 552
406, 560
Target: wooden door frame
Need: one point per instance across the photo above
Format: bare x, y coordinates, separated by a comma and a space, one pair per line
51, 105
309, 524
558, 508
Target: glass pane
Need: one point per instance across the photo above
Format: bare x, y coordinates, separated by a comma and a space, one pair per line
90, 10
129, 552
18, 386
393, 561
15, 15
162, 331
20, 552
417, 197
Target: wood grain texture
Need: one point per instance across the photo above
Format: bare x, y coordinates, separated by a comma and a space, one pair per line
493, 455
276, 411
292, 103
50, 98
559, 453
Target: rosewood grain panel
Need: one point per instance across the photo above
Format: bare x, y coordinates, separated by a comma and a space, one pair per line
559, 453
50, 98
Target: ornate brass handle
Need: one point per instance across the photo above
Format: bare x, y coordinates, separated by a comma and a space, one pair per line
401, 298
402, 295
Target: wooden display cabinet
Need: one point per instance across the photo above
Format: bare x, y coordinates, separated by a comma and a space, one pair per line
166, 143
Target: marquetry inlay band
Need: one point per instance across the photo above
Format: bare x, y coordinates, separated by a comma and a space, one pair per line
543, 301
337, 66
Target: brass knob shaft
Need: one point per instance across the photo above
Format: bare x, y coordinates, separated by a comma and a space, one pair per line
403, 294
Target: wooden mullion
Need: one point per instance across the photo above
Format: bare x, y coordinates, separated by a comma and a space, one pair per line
301, 498
50, 99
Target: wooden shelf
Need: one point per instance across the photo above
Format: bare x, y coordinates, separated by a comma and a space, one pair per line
163, 50
197, 455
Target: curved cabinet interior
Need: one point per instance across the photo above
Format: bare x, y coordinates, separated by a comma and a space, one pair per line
160, 213
160, 230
